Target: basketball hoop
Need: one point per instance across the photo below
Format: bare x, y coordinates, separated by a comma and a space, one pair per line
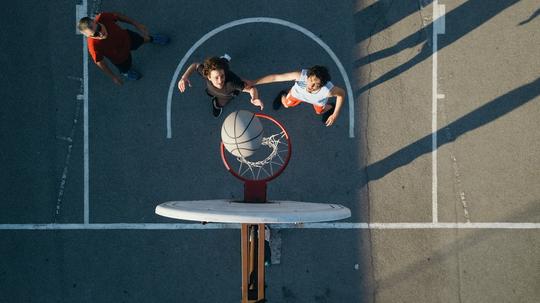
269, 161
256, 150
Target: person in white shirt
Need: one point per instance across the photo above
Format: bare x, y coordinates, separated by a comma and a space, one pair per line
311, 86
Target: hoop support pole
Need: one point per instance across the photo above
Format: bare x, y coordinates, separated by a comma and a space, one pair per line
253, 275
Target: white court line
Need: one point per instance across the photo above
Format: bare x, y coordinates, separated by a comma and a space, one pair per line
434, 181
438, 28
86, 153
262, 20
85, 123
198, 226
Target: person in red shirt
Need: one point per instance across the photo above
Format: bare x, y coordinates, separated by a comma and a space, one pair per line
108, 40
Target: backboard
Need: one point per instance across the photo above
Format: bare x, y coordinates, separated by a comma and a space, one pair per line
228, 211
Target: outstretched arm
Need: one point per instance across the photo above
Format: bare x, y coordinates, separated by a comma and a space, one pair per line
139, 26
252, 91
277, 78
339, 93
185, 77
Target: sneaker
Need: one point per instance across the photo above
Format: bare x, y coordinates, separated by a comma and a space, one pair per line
277, 101
328, 114
160, 39
227, 57
266, 233
216, 109
267, 248
132, 75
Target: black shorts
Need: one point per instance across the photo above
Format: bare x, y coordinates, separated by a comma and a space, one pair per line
136, 39
221, 100
136, 42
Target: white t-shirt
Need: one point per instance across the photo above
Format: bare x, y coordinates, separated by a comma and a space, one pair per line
299, 91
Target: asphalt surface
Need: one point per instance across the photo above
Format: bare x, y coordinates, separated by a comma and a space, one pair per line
488, 151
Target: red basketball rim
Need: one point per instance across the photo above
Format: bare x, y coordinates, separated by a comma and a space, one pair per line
278, 172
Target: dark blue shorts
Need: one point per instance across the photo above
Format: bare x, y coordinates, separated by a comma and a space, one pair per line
136, 42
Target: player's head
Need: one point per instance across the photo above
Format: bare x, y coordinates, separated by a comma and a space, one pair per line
317, 77
214, 69
90, 28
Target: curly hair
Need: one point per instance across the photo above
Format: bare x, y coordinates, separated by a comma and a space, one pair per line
214, 63
320, 72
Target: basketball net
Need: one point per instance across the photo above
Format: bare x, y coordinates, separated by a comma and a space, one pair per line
265, 168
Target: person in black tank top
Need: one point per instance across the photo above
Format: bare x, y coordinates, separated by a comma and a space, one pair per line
222, 84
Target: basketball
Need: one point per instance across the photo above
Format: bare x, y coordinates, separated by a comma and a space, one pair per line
242, 133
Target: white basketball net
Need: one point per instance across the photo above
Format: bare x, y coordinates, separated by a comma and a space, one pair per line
265, 168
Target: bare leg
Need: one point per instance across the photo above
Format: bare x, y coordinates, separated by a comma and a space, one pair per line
284, 101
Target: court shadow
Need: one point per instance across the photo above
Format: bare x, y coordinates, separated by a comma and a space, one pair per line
481, 116
459, 22
464, 243
375, 16
534, 15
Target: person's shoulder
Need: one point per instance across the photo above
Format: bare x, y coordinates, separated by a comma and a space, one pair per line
92, 43
94, 50
329, 85
95, 47
235, 80
199, 68
231, 76
106, 16
336, 90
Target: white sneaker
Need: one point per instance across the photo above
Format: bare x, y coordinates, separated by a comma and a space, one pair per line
267, 233
227, 57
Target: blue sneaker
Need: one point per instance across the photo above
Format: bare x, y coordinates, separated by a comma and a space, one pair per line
132, 75
160, 39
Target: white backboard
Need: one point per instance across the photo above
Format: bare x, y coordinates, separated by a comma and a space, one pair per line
226, 211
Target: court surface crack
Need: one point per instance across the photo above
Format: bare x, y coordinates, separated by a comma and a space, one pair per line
457, 183
69, 140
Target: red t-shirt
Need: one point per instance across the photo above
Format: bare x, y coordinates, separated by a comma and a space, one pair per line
116, 46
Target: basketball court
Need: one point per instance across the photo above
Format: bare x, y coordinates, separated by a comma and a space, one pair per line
435, 153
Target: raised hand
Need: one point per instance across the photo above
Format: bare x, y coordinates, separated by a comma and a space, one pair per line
182, 84
258, 102
331, 120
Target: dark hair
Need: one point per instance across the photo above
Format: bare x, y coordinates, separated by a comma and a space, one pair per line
85, 23
214, 63
320, 72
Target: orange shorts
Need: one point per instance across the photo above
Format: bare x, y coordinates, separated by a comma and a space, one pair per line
291, 101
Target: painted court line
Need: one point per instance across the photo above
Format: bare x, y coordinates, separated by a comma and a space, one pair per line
198, 226
288, 24
86, 148
86, 214
434, 181
438, 28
